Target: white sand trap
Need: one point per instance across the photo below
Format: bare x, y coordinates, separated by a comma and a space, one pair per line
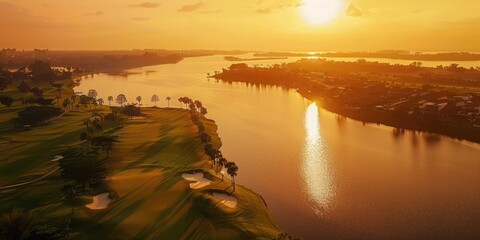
57, 158
200, 181
229, 201
100, 201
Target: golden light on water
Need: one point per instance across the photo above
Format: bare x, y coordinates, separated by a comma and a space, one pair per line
315, 167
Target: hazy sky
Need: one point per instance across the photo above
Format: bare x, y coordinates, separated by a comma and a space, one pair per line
424, 25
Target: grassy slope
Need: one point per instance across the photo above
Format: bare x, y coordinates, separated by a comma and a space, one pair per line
151, 200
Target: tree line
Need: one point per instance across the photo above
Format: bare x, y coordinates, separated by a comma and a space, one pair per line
218, 161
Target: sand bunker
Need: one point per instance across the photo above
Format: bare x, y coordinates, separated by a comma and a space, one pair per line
229, 201
200, 181
100, 201
57, 158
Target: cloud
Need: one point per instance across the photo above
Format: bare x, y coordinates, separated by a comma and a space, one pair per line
353, 11
212, 11
145, 5
97, 13
140, 19
192, 7
263, 11
18, 17
265, 8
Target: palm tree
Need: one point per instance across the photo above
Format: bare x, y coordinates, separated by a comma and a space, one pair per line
71, 194
87, 122
66, 102
100, 102
17, 224
139, 100
198, 105
181, 101
203, 111
168, 100
222, 161
74, 98
155, 99
98, 126
218, 155
92, 93
232, 170
121, 99
110, 99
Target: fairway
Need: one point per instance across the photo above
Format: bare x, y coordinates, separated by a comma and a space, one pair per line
150, 199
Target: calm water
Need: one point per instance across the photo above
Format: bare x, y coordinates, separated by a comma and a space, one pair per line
323, 175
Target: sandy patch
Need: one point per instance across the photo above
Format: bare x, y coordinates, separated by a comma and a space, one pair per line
57, 158
199, 180
100, 201
229, 201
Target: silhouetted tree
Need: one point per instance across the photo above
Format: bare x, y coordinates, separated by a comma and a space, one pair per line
139, 100
92, 93
24, 87
121, 99
70, 193
106, 143
100, 102
168, 101
155, 99
73, 98
37, 92
66, 102
232, 170
17, 225
110, 99
132, 111
82, 164
203, 111
6, 100
222, 162
41, 71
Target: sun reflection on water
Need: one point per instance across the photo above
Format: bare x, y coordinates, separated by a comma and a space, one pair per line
315, 167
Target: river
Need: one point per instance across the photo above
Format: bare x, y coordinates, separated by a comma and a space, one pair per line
323, 176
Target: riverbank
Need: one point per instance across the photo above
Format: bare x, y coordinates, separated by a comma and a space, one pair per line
149, 198
446, 102
396, 120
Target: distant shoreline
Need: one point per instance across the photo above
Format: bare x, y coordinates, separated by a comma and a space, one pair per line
367, 92
399, 55
237, 59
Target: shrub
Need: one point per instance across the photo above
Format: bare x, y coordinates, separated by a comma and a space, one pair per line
34, 114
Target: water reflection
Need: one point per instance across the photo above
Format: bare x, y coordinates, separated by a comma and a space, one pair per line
315, 168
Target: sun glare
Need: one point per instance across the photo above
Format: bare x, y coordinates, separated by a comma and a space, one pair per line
320, 12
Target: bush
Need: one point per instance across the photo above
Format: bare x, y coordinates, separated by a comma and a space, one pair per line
52, 229
132, 111
34, 114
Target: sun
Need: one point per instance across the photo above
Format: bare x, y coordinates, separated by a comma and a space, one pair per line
320, 12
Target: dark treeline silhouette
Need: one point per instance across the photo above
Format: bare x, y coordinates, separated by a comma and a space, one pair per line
389, 54
218, 161
99, 61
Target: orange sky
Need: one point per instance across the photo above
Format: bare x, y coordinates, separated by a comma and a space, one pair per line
273, 25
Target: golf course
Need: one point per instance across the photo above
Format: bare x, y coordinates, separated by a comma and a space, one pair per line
159, 184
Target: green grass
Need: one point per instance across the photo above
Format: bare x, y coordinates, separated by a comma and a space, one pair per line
150, 199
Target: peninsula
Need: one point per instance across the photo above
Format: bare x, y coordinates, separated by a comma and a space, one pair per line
145, 173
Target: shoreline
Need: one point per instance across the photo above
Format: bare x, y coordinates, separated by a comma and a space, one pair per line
412, 126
